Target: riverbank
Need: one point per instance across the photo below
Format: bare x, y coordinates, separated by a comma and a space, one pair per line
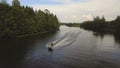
38, 33
71, 24
32, 34
100, 31
27, 35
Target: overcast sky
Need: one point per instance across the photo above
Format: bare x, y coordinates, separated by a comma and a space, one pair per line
77, 10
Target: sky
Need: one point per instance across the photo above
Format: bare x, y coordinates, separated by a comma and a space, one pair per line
77, 10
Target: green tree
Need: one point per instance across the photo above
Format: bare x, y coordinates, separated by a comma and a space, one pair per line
21, 20
15, 3
117, 24
102, 25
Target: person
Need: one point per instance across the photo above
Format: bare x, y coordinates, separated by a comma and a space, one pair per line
51, 44
50, 47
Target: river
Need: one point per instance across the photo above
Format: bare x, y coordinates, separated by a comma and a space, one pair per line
73, 48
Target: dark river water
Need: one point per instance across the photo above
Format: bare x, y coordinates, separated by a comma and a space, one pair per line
73, 48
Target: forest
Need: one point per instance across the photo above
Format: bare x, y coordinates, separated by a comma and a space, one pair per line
17, 20
101, 25
71, 24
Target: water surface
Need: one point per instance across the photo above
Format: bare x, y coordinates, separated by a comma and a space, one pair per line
74, 48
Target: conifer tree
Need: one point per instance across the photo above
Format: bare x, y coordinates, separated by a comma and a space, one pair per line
15, 3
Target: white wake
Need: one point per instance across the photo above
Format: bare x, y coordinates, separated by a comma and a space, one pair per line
67, 39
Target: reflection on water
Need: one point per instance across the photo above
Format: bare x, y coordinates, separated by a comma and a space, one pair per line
12, 52
74, 48
116, 36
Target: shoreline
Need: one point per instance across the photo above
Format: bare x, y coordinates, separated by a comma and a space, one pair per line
20, 36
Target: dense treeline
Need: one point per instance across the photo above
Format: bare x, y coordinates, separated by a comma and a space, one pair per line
100, 24
16, 20
71, 24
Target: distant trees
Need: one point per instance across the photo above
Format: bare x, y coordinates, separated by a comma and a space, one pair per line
116, 24
100, 24
97, 24
18, 20
71, 24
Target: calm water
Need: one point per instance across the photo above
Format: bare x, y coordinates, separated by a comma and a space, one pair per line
74, 48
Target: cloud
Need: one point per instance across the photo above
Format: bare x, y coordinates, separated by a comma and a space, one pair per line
79, 10
70, 1
88, 17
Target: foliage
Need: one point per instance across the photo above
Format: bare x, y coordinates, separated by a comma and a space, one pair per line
71, 24
18, 20
101, 25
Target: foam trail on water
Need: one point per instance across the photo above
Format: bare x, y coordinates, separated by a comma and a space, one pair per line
63, 44
67, 39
